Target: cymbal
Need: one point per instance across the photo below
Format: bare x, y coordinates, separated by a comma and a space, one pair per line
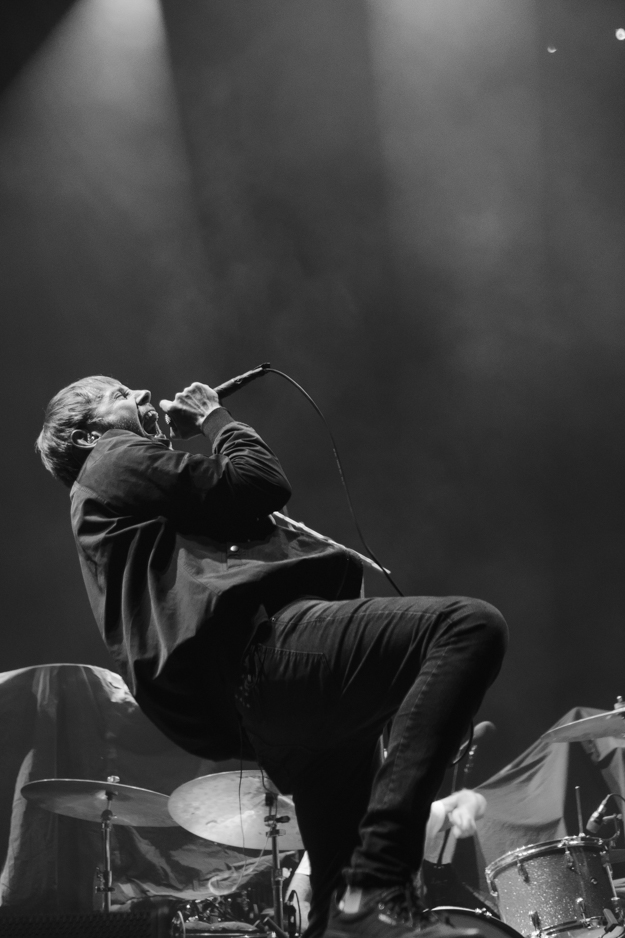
86, 800
229, 808
610, 723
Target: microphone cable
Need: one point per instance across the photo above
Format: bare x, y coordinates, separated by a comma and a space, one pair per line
230, 386
341, 476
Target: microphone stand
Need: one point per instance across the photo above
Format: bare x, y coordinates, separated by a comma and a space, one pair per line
467, 768
299, 526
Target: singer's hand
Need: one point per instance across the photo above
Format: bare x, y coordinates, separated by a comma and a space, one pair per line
463, 809
189, 409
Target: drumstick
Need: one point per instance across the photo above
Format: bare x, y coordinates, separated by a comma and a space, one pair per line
578, 801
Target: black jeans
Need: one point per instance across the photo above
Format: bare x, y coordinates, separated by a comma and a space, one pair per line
318, 687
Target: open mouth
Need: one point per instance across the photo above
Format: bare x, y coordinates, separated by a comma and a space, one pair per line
149, 422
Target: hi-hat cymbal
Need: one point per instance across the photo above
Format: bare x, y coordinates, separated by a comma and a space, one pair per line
85, 799
610, 723
230, 808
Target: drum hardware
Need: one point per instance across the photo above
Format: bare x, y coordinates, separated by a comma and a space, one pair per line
611, 915
482, 920
86, 799
560, 886
229, 808
293, 916
201, 929
106, 874
581, 911
272, 820
233, 915
274, 927
578, 803
569, 859
240, 809
106, 802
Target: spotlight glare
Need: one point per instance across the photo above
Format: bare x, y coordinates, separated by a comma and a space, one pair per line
620, 33
551, 48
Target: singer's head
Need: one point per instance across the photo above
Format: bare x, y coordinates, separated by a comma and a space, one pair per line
79, 414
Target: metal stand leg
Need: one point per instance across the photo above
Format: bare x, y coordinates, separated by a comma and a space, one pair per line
271, 800
106, 874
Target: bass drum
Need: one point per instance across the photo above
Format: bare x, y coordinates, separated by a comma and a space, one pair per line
485, 922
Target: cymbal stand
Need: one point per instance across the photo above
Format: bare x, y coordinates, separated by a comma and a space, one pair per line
105, 875
272, 821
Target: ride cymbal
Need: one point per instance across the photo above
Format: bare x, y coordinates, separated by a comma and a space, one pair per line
231, 807
86, 800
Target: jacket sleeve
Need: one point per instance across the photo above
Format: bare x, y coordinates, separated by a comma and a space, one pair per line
242, 479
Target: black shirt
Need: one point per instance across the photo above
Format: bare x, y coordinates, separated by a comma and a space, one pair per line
182, 559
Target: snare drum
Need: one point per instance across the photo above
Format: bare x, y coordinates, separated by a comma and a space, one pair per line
485, 922
558, 887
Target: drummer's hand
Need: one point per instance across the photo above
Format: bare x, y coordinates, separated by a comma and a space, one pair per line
463, 809
189, 409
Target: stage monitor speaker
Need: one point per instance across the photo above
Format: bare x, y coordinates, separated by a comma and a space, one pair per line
148, 924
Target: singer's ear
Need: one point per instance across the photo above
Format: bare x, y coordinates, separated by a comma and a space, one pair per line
85, 439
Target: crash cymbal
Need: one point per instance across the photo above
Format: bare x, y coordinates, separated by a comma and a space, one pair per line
85, 799
230, 808
610, 723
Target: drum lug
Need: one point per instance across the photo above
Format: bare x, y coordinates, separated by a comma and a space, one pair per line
581, 910
535, 917
522, 870
570, 862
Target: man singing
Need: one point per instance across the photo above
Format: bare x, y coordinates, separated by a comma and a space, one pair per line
240, 637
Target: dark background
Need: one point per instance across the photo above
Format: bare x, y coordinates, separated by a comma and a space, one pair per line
413, 208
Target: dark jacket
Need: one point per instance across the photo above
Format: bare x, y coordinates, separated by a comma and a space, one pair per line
182, 560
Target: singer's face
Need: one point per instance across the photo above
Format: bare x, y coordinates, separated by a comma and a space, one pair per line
122, 409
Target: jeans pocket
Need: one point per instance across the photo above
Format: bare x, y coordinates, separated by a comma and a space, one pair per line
287, 696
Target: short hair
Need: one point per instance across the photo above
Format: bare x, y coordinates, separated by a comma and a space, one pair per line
71, 409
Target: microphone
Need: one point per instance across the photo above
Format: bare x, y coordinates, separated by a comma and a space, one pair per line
479, 732
229, 387
597, 817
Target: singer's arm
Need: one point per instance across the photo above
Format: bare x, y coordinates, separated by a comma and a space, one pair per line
242, 478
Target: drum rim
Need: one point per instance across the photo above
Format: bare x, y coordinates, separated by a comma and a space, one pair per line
546, 847
480, 914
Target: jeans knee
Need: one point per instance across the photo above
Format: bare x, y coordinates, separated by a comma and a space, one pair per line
488, 627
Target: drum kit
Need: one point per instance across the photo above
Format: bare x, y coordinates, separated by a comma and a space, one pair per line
560, 887
237, 809
557, 888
